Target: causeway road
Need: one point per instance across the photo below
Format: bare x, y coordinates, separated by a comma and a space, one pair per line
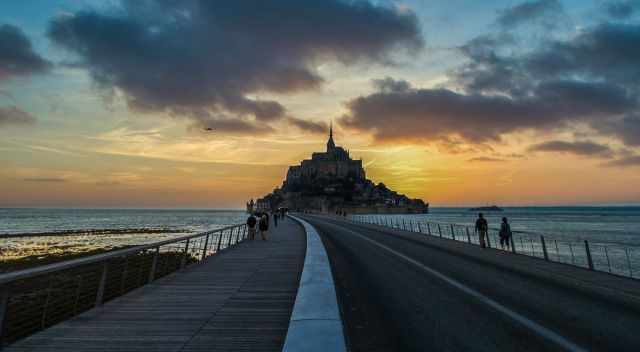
403, 291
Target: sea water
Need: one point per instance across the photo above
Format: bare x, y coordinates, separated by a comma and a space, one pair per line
180, 222
612, 233
619, 225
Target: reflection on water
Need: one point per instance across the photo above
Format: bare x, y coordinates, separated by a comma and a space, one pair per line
179, 222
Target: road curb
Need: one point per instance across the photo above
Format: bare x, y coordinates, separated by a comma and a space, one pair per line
315, 323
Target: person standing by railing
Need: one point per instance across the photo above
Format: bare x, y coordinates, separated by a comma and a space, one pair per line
505, 234
481, 229
251, 224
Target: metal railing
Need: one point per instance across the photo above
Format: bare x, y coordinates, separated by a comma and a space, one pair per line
616, 259
34, 299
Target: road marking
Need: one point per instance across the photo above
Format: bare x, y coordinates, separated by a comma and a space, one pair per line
518, 318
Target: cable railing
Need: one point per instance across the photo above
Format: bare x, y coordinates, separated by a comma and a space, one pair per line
615, 259
35, 299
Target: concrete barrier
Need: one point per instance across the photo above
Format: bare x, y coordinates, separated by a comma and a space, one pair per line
315, 323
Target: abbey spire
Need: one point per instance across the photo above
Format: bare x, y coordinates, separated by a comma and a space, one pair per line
330, 144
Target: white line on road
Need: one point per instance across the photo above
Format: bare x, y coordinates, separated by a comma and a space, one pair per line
518, 318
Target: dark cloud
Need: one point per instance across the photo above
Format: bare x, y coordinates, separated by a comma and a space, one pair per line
589, 79
309, 126
528, 11
16, 54
609, 51
194, 55
435, 114
12, 116
390, 85
627, 129
582, 148
45, 179
621, 9
625, 162
486, 159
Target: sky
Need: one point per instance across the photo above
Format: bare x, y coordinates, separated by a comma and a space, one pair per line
205, 104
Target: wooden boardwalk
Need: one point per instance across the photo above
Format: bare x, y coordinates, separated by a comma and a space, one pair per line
240, 300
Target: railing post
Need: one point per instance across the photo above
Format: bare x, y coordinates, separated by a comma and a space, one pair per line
154, 265
43, 320
453, 233
589, 260
4, 310
429, 229
220, 234
411, 224
404, 227
184, 257
606, 254
204, 250
573, 258
626, 251
230, 237
103, 283
439, 230
512, 243
468, 234
419, 227
544, 248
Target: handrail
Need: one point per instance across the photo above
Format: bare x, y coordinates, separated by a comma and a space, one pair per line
523, 232
611, 257
73, 263
36, 298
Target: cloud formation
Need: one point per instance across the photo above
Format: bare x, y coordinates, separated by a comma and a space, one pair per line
12, 116
582, 148
309, 126
589, 78
422, 115
621, 9
486, 159
16, 54
528, 11
628, 161
45, 179
186, 57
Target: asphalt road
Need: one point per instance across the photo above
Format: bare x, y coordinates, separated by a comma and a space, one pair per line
400, 295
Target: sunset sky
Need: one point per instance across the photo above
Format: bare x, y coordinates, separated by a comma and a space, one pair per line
196, 103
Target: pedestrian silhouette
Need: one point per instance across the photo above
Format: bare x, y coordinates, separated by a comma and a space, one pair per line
505, 234
481, 229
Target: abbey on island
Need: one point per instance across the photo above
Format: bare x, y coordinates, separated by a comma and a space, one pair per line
332, 182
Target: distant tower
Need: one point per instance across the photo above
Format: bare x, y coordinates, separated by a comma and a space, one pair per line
330, 144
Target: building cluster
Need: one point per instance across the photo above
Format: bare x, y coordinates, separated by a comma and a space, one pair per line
333, 182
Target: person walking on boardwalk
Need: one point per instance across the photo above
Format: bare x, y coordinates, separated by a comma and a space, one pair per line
275, 218
481, 229
251, 224
505, 234
263, 225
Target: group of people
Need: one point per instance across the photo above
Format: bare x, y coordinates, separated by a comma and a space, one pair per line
262, 222
482, 229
